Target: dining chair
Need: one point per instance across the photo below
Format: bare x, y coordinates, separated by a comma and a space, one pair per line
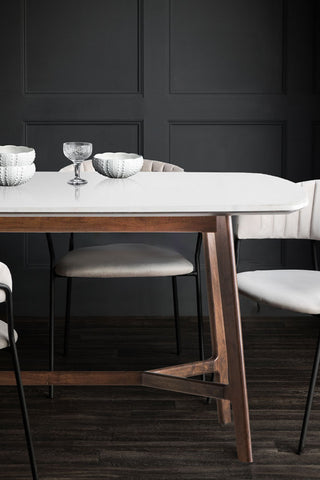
295, 290
124, 260
8, 338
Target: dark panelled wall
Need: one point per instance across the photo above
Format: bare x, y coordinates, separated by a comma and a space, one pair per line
211, 85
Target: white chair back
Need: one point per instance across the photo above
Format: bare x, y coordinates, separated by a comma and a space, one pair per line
303, 224
148, 166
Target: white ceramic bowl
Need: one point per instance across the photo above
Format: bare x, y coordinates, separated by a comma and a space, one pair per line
12, 176
117, 165
12, 155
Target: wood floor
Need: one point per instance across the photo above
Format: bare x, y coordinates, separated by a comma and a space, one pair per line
135, 433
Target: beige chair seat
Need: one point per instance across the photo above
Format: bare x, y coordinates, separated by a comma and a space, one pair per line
123, 260
4, 339
5, 278
296, 290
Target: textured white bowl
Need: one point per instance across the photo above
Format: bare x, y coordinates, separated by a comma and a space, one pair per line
117, 165
12, 176
12, 155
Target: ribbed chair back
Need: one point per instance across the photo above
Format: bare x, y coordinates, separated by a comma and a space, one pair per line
148, 166
303, 224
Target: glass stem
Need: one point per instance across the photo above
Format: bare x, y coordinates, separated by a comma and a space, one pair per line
77, 170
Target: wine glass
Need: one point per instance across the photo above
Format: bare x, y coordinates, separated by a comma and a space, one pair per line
77, 152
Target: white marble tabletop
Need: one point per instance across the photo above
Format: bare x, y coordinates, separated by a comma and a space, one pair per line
48, 193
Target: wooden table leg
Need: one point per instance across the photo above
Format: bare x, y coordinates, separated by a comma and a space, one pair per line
218, 340
233, 333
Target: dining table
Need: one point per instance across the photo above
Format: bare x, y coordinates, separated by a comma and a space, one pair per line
162, 202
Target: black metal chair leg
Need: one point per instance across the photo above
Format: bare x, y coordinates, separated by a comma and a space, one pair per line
176, 313
24, 412
67, 317
20, 389
312, 385
51, 328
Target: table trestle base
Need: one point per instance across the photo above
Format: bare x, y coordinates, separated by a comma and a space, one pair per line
123, 378
226, 362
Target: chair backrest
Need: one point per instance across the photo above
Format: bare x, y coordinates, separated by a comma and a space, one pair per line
303, 224
148, 166
6, 279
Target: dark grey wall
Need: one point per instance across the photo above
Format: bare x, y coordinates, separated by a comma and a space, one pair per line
212, 85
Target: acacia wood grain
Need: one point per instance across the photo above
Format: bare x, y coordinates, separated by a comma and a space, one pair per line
96, 224
184, 385
188, 369
233, 334
216, 315
82, 378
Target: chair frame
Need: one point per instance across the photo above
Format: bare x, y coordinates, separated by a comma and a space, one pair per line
315, 369
196, 274
17, 372
316, 361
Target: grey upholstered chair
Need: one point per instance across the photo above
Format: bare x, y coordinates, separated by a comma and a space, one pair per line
124, 260
296, 290
8, 338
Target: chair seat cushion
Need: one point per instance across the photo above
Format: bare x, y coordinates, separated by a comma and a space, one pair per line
4, 339
5, 277
123, 260
296, 290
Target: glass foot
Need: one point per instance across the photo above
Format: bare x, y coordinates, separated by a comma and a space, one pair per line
77, 181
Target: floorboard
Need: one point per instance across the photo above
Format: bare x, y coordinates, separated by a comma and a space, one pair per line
134, 433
